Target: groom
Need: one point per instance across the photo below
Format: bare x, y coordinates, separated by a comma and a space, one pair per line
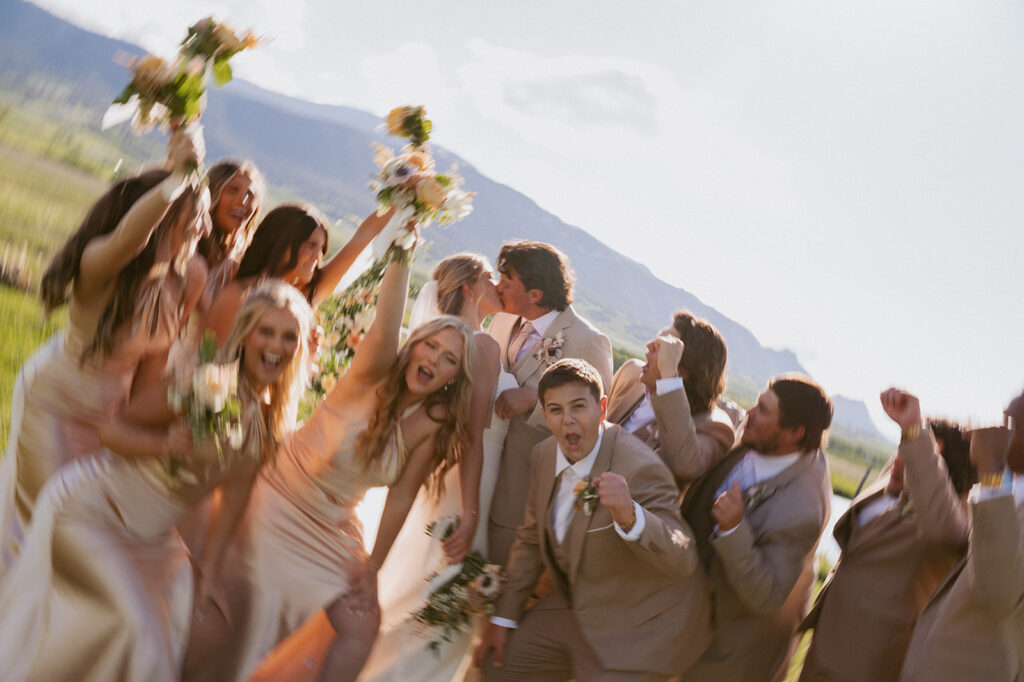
537, 327
629, 601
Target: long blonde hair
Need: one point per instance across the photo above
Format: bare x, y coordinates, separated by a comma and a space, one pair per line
448, 406
450, 274
274, 294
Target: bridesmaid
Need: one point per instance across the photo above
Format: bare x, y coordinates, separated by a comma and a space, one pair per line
129, 276
236, 192
397, 417
290, 243
103, 589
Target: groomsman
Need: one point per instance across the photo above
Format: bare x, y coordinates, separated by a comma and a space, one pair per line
757, 517
629, 600
537, 327
973, 626
899, 539
671, 401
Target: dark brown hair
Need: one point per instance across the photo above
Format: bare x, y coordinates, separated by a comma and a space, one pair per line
803, 403
571, 370
955, 448
539, 266
703, 362
279, 235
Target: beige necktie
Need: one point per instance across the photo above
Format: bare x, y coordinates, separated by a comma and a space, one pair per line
565, 504
520, 344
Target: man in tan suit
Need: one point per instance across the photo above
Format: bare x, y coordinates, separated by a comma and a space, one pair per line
899, 539
757, 517
973, 626
629, 600
670, 402
538, 326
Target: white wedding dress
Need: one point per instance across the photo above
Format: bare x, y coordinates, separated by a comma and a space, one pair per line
400, 653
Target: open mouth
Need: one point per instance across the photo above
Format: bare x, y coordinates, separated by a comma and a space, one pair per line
271, 362
573, 440
424, 375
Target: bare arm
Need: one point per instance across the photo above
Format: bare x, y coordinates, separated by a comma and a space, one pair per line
140, 429
221, 317
333, 270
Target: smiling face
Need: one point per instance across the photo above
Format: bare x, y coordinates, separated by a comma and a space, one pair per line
763, 430
236, 204
434, 361
574, 416
269, 347
310, 254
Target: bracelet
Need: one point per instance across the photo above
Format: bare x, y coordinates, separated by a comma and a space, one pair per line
626, 527
991, 480
911, 432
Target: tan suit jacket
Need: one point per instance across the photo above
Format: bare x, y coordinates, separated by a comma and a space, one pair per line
762, 573
865, 612
524, 432
973, 626
642, 606
689, 445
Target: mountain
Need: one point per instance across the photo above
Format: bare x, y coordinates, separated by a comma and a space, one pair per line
322, 154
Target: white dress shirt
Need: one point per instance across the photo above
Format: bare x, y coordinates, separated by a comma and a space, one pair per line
754, 468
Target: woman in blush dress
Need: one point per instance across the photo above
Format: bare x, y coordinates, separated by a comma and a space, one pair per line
397, 417
290, 244
129, 276
103, 589
461, 285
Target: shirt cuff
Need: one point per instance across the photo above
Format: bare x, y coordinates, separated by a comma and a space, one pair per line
980, 493
663, 386
504, 622
638, 526
724, 533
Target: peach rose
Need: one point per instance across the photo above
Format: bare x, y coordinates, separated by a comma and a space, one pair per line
431, 192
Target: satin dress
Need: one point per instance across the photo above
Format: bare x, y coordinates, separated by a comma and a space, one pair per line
299, 539
103, 588
59, 401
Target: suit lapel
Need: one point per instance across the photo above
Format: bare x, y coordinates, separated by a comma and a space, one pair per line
528, 364
576, 536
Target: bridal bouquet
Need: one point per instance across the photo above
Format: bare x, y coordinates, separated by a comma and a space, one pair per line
458, 592
434, 196
159, 90
207, 393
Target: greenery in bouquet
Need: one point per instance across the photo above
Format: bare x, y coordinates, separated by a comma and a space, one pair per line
206, 393
459, 592
159, 91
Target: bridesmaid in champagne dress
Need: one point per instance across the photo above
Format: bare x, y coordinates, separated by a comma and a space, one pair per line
130, 288
103, 589
461, 285
396, 417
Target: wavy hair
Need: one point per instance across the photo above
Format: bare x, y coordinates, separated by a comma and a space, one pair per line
450, 274
219, 244
539, 266
448, 406
704, 360
274, 249
286, 392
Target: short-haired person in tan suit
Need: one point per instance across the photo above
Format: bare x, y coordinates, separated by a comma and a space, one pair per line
899, 539
629, 599
670, 402
537, 326
972, 628
757, 517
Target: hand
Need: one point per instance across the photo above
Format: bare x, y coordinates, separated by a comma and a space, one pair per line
179, 443
902, 407
186, 148
1014, 413
361, 596
670, 353
613, 493
515, 401
496, 638
728, 509
457, 545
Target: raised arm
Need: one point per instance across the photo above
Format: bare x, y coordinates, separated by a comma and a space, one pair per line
486, 362
105, 256
333, 270
378, 349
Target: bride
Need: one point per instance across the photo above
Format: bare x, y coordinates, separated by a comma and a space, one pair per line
462, 285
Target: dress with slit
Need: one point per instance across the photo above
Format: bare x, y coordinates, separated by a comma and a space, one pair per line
298, 539
59, 402
103, 587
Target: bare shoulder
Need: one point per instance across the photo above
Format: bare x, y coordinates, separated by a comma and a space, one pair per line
485, 347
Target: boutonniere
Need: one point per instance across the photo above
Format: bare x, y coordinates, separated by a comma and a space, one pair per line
550, 350
585, 495
754, 496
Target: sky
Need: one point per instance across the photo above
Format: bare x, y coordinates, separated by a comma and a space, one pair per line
842, 178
